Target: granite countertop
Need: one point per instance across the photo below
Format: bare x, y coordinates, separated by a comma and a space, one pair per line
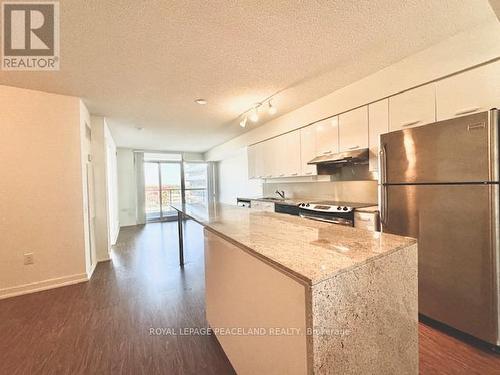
312, 251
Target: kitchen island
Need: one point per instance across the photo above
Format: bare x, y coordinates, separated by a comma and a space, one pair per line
287, 295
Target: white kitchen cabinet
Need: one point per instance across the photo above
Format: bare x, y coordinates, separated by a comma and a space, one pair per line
262, 206
412, 108
353, 129
307, 151
378, 123
289, 154
252, 161
256, 161
269, 161
327, 136
367, 221
469, 92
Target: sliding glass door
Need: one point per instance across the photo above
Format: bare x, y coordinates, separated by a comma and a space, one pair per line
171, 189
152, 191
162, 182
164, 187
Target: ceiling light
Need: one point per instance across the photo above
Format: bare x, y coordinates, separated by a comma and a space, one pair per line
243, 122
201, 101
272, 109
254, 117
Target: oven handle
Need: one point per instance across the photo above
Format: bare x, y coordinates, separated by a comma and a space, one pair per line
331, 221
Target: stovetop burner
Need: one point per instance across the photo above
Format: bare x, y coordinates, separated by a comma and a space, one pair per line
345, 204
332, 206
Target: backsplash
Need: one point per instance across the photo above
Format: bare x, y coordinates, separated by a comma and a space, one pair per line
349, 191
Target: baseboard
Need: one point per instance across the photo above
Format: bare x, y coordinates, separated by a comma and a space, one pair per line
42, 285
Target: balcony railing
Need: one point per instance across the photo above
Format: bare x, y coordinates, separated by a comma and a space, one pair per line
170, 196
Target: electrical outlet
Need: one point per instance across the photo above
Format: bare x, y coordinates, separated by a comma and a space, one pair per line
29, 258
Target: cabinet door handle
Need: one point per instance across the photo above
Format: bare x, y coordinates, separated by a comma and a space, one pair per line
281, 175
294, 174
465, 111
309, 173
353, 147
410, 123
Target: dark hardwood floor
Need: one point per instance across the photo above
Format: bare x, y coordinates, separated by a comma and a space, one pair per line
103, 326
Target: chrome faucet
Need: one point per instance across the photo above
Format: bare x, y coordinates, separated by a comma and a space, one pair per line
280, 193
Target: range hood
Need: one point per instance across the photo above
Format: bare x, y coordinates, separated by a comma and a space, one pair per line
358, 156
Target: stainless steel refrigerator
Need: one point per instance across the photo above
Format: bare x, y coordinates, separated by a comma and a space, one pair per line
439, 183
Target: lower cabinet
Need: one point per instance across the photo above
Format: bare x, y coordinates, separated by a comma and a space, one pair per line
367, 220
263, 206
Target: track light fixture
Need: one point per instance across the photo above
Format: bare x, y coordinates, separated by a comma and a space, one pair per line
272, 109
254, 117
253, 114
243, 122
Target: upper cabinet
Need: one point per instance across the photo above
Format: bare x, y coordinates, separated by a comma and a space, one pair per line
378, 123
270, 160
287, 155
290, 154
255, 156
353, 129
276, 157
307, 150
472, 91
252, 161
414, 107
327, 136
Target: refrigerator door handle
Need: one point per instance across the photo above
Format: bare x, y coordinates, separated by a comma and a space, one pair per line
383, 187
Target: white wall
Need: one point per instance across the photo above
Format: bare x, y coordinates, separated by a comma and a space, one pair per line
112, 186
126, 186
105, 191
88, 202
464, 50
41, 194
232, 179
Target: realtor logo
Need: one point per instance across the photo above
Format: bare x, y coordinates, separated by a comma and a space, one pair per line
30, 35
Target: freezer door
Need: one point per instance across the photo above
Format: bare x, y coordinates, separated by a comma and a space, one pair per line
456, 150
456, 231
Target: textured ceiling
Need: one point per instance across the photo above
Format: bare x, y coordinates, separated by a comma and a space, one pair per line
143, 63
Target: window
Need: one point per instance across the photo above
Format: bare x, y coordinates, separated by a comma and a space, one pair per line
196, 182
